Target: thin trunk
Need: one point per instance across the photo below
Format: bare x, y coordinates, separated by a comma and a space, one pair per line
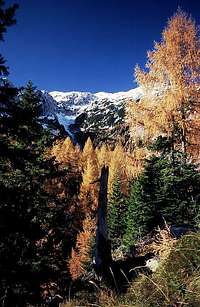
103, 247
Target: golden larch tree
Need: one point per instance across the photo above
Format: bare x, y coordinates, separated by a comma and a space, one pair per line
103, 155
90, 186
67, 154
171, 101
80, 255
88, 199
88, 151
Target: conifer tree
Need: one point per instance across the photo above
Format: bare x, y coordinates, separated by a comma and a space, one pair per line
24, 208
7, 92
116, 214
68, 147
29, 103
7, 19
35, 235
103, 155
140, 212
81, 254
67, 154
170, 104
89, 187
116, 166
88, 200
88, 152
167, 190
90, 179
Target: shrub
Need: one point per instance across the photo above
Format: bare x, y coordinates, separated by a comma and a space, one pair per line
177, 280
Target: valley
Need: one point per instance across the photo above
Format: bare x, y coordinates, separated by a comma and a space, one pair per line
82, 113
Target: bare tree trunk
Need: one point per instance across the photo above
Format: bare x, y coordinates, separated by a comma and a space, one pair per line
103, 247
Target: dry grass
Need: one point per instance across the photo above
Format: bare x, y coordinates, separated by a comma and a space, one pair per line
162, 244
103, 299
175, 283
177, 280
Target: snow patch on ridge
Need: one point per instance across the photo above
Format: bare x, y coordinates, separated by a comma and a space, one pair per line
103, 109
134, 94
85, 98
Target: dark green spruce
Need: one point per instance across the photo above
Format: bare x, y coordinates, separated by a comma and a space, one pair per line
168, 190
115, 215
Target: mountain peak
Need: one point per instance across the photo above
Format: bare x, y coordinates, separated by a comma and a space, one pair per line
103, 111
67, 96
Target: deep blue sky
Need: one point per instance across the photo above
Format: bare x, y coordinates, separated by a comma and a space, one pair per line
85, 45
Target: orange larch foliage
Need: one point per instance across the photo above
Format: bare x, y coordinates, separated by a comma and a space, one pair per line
90, 179
88, 199
80, 256
171, 86
121, 162
90, 186
88, 152
103, 156
116, 166
67, 154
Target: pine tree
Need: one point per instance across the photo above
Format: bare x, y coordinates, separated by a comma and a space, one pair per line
24, 203
7, 92
141, 207
38, 228
116, 214
29, 103
167, 190
179, 195
6, 20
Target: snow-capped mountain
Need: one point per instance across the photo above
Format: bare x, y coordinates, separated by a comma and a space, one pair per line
99, 114
77, 102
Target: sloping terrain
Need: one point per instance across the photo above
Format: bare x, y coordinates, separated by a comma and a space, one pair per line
100, 115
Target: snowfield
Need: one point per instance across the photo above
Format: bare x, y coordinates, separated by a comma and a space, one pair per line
102, 109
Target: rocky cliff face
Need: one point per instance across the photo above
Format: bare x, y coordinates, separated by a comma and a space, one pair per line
80, 114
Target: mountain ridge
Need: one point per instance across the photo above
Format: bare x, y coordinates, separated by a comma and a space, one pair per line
89, 113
